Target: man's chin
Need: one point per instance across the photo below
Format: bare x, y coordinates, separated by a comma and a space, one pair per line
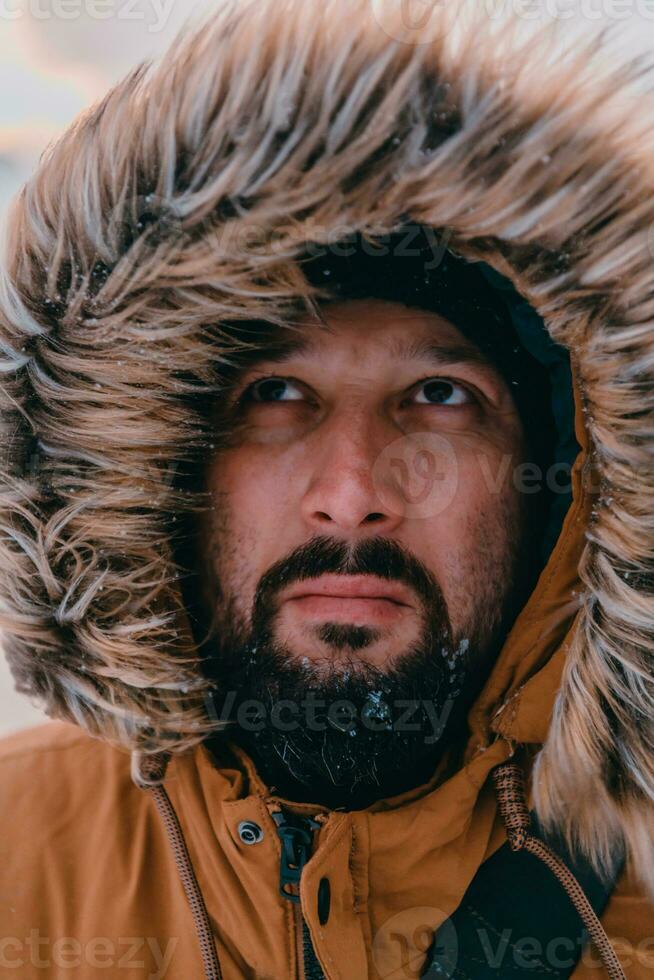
332, 644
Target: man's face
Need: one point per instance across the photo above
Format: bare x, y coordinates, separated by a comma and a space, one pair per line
365, 533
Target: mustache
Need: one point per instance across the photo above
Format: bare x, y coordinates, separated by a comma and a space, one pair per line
379, 556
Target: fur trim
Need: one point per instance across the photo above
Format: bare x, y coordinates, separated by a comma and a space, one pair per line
181, 200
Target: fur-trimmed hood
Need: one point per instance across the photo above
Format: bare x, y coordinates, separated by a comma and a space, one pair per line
180, 201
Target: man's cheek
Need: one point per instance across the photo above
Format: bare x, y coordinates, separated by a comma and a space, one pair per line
261, 498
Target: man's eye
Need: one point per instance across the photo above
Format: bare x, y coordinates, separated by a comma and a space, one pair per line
272, 390
441, 391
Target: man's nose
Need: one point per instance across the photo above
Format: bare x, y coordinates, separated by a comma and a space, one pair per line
348, 490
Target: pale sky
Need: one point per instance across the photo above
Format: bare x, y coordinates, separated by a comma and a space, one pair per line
58, 56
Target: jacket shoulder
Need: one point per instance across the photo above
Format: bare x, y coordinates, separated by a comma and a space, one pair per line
57, 768
45, 736
73, 827
71, 744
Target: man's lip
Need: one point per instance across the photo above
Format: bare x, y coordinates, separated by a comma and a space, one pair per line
351, 587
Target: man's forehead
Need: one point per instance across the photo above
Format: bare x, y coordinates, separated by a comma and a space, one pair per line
386, 328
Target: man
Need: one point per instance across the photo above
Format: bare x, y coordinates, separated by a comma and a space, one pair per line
289, 323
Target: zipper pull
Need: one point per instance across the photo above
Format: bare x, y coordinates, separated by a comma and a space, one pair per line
296, 835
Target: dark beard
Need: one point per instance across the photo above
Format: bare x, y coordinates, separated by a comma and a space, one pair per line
343, 732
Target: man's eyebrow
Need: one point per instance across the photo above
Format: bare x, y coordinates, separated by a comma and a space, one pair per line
433, 350
282, 350
275, 352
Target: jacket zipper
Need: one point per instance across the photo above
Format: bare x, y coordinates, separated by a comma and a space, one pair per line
296, 835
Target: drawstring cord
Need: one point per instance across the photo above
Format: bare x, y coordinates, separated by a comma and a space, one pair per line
155, 767
509, 782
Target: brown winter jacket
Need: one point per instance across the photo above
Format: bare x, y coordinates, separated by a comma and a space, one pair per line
179, 202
